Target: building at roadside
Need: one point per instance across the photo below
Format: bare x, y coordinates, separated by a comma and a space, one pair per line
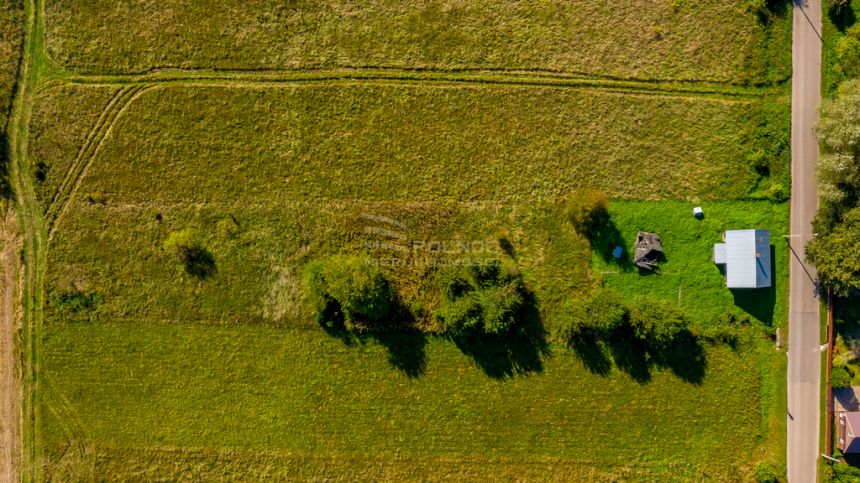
745, 254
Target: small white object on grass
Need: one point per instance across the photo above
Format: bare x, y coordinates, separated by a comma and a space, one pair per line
697, 212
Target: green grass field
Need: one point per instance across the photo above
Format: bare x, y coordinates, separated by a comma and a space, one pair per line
11, 36
679, 40
309, 406
283, 134
353, 141
689, 275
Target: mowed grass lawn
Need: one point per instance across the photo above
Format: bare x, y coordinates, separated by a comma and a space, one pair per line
169, 400
682, 40
689, 276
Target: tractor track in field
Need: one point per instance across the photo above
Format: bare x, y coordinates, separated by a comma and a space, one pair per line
88, 142
272, 79
132, 87
87, 154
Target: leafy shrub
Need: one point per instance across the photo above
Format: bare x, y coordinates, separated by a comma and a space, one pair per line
77, 302
598, 316
482, 298
840, 377
839, 167
722, 333
848, 52
228, 227
606, 311
347, 289
835, 254
97, 198
188, 248
766, 473
572, 320
656, 321
587, 210
735, 318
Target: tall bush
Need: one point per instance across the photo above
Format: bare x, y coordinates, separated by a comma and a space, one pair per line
840, 377
482, 298
598, 316
656, 321
348, 289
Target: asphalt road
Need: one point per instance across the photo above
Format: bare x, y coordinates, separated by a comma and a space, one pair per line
804, 354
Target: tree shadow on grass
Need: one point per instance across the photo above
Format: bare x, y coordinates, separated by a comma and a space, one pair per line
6, 192
406, 350
630, 355
404, 343
605, 238
593, 354
517, 352
779, 7
684, 356
199, 262
760, 302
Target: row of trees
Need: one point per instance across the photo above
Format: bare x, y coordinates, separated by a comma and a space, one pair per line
836, 250
349, 291
655, 322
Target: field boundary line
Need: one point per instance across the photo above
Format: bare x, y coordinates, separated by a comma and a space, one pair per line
440, 77
381, 456
81, 166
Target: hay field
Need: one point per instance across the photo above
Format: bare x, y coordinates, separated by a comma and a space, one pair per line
656, 40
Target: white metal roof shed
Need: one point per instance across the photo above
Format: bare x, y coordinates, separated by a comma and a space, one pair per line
747, 258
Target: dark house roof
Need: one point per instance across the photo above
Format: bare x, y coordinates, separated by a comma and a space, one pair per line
648, 250
849, 430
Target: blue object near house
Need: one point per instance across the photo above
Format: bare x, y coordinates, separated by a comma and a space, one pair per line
746, 256
617, 252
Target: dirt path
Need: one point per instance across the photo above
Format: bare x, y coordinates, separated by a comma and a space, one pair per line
10, 387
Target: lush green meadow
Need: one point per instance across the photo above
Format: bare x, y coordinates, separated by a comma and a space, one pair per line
680, 40
54, 148
689, 275
259, 252
11, 36
309, 406
146, 364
